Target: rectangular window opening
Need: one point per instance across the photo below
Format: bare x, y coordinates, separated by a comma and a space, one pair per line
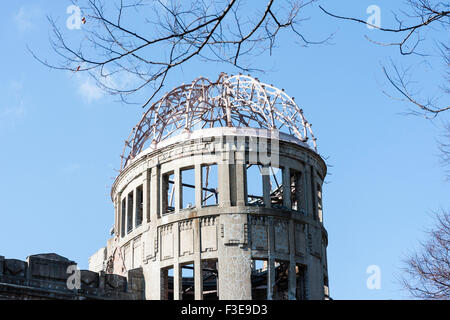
296, 190
187, 188
319, 203
259, 279
254, 185
187, 281
276, 187
130, 212
168, 190
210, 278
167, 283
210, 194
280, 288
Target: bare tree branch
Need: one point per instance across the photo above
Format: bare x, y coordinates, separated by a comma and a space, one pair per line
124, 39
427, 273
423, 14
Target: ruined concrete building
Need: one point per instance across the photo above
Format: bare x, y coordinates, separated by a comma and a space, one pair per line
220, 197
50, 276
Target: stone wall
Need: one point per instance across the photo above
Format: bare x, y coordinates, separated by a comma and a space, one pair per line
49, 276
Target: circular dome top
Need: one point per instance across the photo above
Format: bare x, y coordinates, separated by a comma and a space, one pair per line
231, 101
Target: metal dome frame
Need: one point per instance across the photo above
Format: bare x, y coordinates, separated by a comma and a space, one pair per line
231, 101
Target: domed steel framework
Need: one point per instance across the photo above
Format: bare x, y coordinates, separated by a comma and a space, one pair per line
231, 101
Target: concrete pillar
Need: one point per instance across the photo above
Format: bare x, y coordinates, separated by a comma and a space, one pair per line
292, 281
153, 284
132, 253
266, 189
198, 185
314, 199
314, 273
177, 281
120, 214
240, 179
286, 187
177, 192
198, 272
271, 261
126, 213
117, 215
146, 196
133, 210
235, 259
155, 193
308, 190
224, 179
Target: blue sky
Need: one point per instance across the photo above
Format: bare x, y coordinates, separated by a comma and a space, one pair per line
61, 138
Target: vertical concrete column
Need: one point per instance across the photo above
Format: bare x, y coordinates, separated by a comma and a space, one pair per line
132, 253
126, 213
163, 195
153, 280
266, 189
314, 273
177, 284
117, 208
315, 279
224, 180
198, 272
234, 258
146, 196
301, 185
198, 185
116, 214
154, 193
292, 280
287, 187
240, 178
133, 210
314, 200
177, 190
177, 281
119, 214
308, 190
270, 260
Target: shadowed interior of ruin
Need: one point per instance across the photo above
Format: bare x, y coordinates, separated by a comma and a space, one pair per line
258, 281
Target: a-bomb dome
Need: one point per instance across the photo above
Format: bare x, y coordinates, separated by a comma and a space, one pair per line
231, 101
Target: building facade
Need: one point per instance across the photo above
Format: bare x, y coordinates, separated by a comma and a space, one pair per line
220, 197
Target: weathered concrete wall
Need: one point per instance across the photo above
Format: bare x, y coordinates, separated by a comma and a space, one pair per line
46, 276
97, 260
288, 237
